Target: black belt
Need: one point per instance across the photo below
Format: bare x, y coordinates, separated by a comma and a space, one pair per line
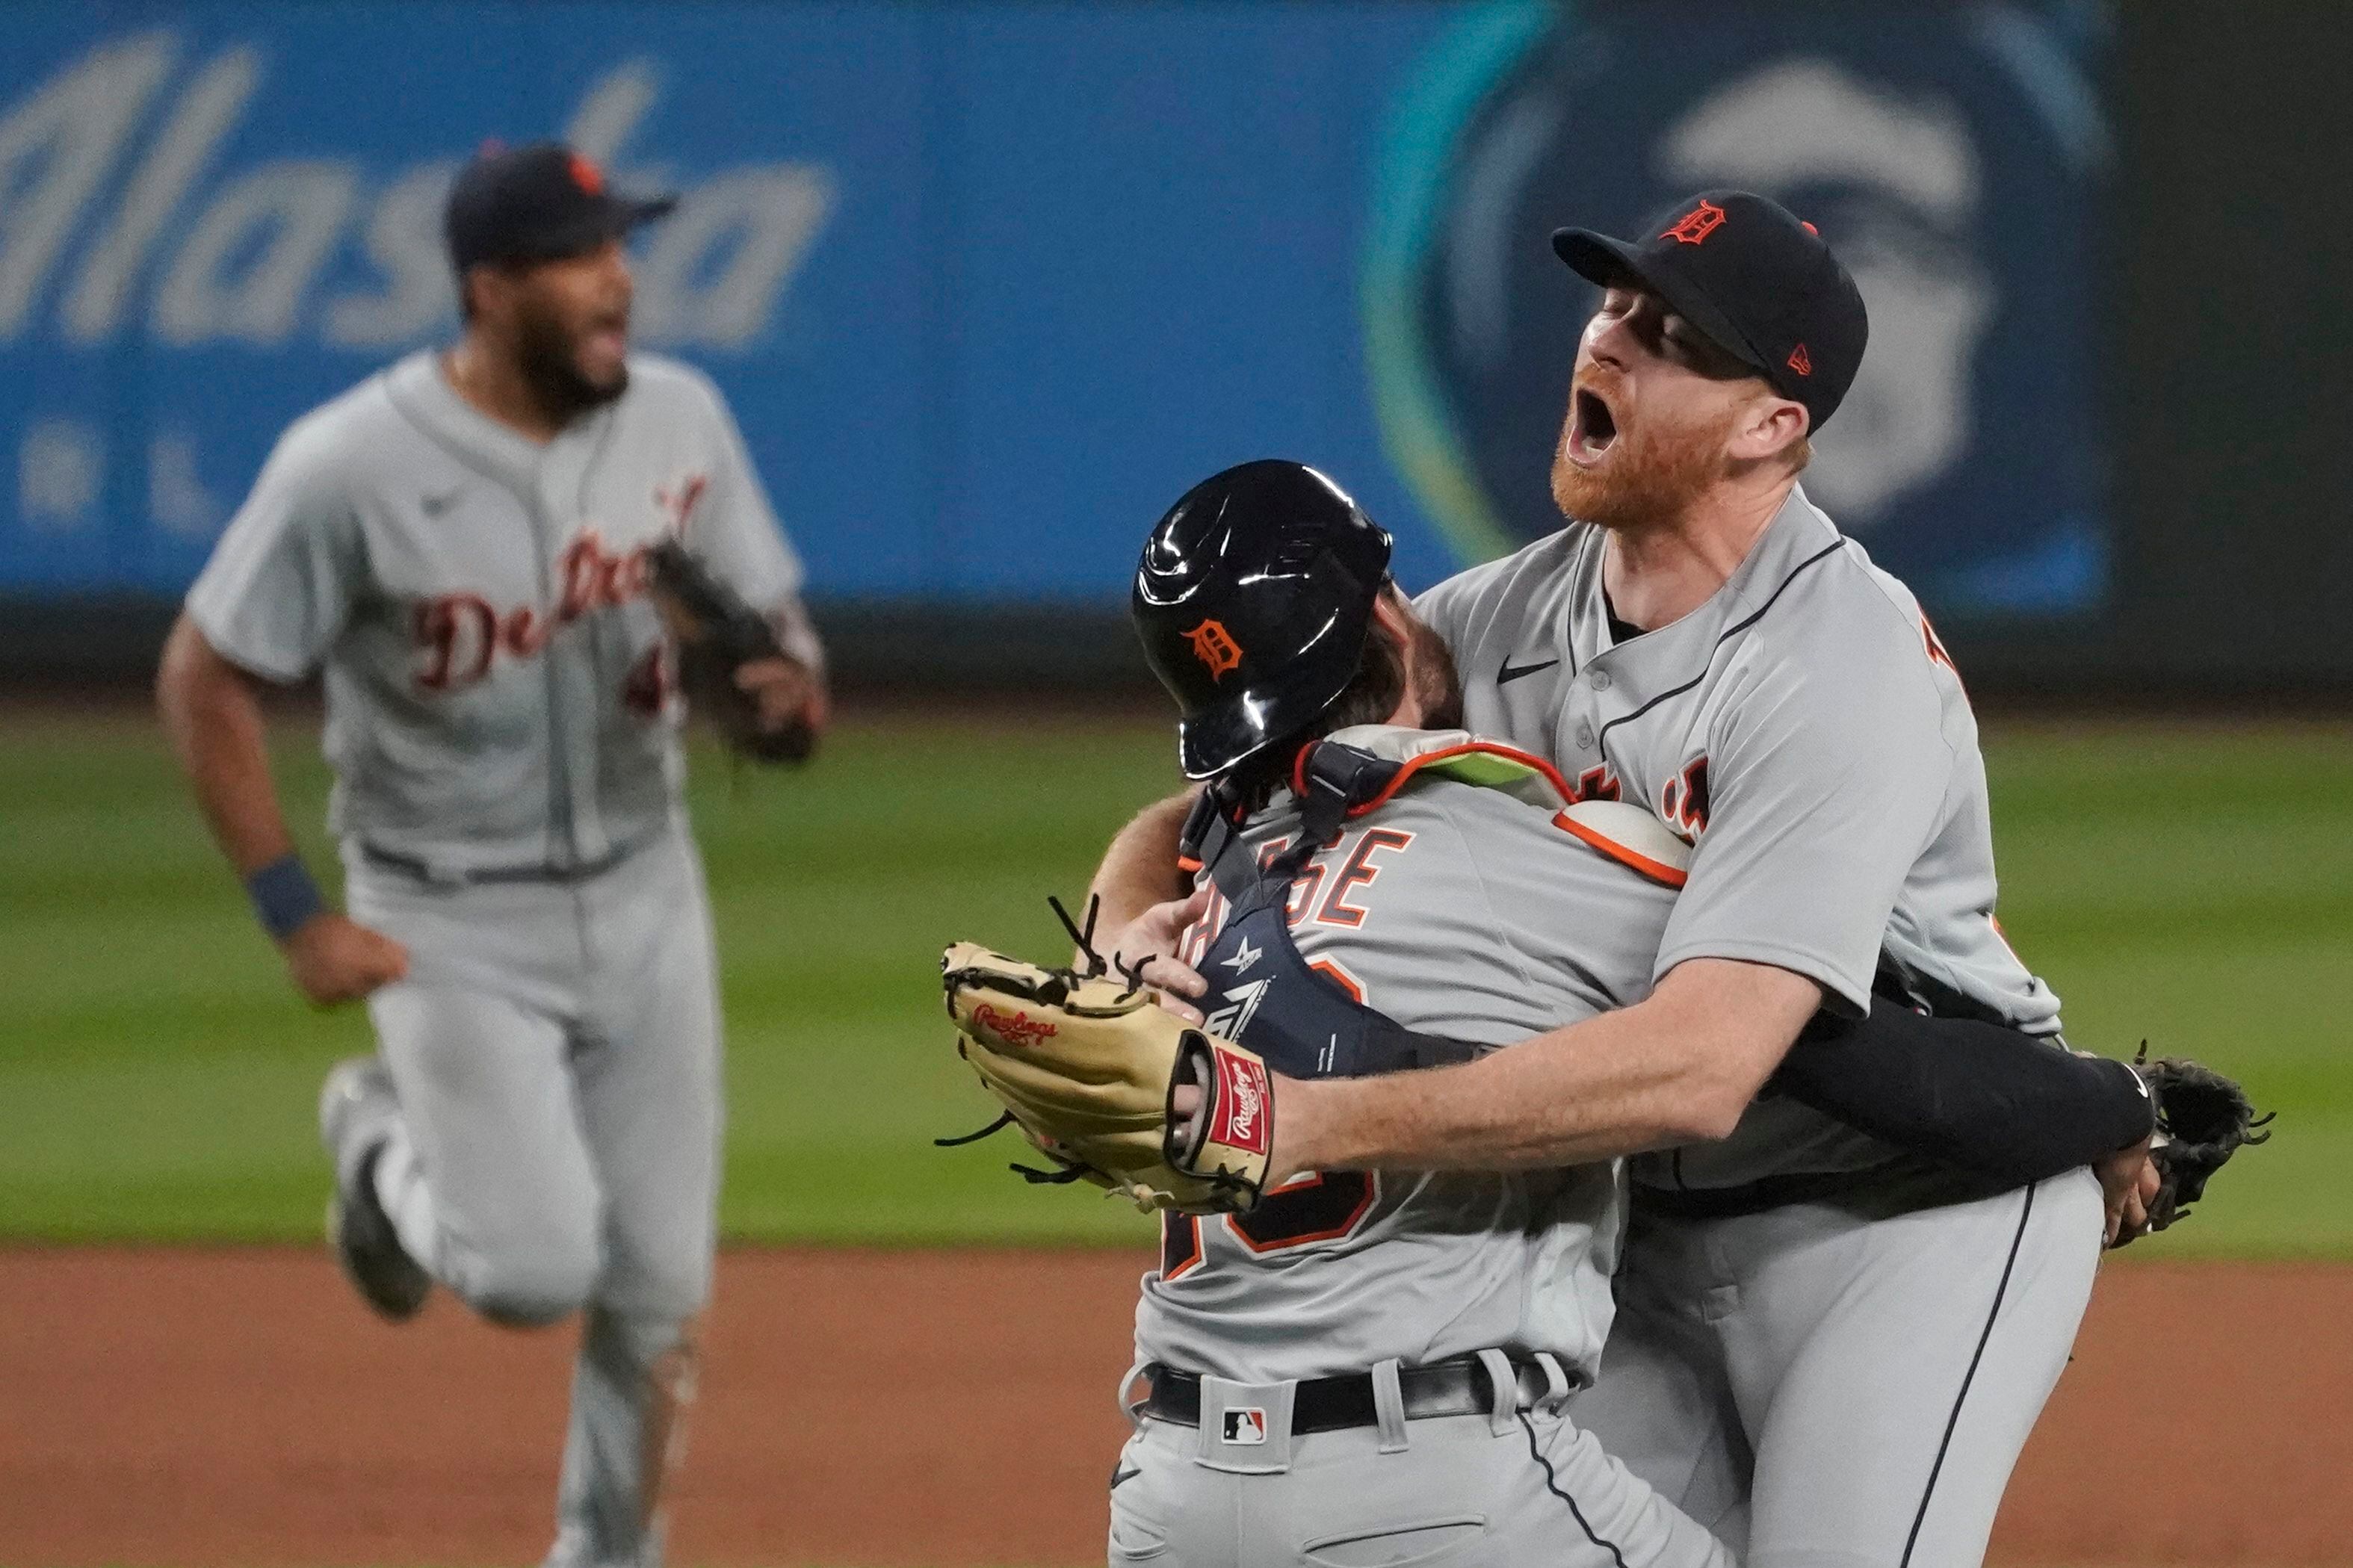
1457, 1387
417, 866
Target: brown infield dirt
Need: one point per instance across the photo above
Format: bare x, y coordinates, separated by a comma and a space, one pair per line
194, 1408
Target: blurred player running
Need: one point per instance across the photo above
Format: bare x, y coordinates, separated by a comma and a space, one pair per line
460, 543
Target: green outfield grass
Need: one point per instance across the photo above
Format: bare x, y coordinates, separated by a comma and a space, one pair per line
157, 1075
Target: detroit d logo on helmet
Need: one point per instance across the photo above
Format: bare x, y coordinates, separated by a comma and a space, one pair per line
1215, 648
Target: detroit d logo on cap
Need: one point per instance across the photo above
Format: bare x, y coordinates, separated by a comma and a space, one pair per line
1697, 223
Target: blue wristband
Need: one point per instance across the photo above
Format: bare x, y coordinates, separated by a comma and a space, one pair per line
284, 896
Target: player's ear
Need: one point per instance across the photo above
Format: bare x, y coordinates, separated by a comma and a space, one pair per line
472, 284
488, 291
1393, 614
1769, 426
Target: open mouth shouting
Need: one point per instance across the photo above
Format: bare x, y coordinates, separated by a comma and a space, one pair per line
1592, 427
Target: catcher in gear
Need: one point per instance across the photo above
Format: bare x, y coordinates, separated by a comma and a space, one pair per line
1382, 1360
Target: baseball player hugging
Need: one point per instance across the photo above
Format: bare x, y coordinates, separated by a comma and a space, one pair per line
1365, 1367
1874, 1182
1372, 1358
465, 546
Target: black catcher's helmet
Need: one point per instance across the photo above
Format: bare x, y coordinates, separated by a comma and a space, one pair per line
1252, 600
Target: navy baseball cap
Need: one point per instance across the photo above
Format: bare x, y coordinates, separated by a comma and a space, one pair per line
537, 203
1760, 282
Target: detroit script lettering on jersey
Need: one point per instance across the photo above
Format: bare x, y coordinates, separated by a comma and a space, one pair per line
458, 635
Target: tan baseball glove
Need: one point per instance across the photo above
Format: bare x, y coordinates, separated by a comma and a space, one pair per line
1085, 1064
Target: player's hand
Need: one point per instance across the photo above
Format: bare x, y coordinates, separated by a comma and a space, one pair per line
786, 691
1298, 1112
336, 958
2129, 1181
1152, 936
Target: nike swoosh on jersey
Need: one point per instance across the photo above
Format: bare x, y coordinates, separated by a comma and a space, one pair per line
1508, 674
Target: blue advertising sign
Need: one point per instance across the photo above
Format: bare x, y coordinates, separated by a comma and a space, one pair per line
989, 284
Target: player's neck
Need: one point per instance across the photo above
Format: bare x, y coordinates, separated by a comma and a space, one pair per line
1657, 574
495, 385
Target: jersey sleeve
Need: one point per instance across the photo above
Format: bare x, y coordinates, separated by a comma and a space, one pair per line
735, 527
1826, 775
281, 581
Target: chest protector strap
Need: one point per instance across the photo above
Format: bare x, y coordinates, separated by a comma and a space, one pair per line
1262, 992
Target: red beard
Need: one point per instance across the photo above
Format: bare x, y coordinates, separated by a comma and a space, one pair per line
1652, 473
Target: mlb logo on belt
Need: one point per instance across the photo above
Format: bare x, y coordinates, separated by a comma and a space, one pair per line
1245, 1424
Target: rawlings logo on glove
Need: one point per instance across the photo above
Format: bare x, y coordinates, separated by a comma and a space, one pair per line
1017, 1029
1243, 1093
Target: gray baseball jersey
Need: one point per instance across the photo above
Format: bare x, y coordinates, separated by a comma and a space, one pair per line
498, 699
497, 689
1805, 729
1466, 911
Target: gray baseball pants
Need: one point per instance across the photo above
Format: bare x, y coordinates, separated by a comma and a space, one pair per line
1825, 1389
555, 1049
1502, 1490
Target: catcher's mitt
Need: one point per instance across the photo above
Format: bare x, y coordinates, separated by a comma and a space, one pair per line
1086, 1065
717, 634
2202, 1117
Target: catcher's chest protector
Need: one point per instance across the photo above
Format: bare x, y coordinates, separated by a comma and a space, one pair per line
1263, 994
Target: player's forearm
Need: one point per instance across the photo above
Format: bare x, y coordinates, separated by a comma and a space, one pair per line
1976, 1095
1678, 1068
215, 723
1140, 868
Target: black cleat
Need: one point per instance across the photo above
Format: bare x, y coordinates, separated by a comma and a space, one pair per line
362, 1234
